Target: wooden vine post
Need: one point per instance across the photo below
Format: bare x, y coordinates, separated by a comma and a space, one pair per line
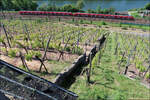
128, 61
119, 64
89, 69
27, 32
147, 68
43, 59
62, 52
6, 34
23, 61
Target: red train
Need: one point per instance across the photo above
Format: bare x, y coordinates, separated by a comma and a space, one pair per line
76, 14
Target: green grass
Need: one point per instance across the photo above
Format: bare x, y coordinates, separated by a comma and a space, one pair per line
54, 68
107, 83
102, 23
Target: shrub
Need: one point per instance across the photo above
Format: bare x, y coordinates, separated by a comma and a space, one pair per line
91, 11
142, 69
70, 8
7, 4
43, 7
98, 9
38, 54
36, 44
25, 5
2, 39
4, 50
12, 53
80, 4
68, 49
29, 56
147, 6
103, 23
120, 24
124, 28
77, 50
147, 76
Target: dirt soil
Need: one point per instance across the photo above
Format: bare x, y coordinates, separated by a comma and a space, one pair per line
134, 31
133, 73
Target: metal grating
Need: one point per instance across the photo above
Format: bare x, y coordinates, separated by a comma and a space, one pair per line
25, 86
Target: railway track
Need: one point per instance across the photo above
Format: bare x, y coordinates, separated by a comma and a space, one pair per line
17, 15
30, 87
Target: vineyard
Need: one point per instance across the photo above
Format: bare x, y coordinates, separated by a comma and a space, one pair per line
119, 70
38, 41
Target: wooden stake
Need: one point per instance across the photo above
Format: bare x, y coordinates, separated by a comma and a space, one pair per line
45, 54
6, 36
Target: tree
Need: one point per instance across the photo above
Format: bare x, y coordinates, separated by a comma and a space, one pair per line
91, 11
147, 6
111, 10
67, 7
7, 4
44, 7
25, 5
98, 9
80, 4
1, 5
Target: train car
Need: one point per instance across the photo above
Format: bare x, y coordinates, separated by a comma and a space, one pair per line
45, 13
107, 16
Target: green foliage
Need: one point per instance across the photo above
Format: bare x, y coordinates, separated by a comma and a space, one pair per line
23, 67
98, 9
124, 28
107, 74
102, 11
147, 75
142, 69
136, 15
80, 4
1, 4
3, 50
54, 46
147, 6
138, 64
77, 50
38, 54
91, 11
103, 23
25, 5
95, 60
12, 53
36, 44
81, 21
2, 39
19, 5
29, 56
43, 7
66, 8
97, 94
39, 21
68, 49
120, 95
7, 4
